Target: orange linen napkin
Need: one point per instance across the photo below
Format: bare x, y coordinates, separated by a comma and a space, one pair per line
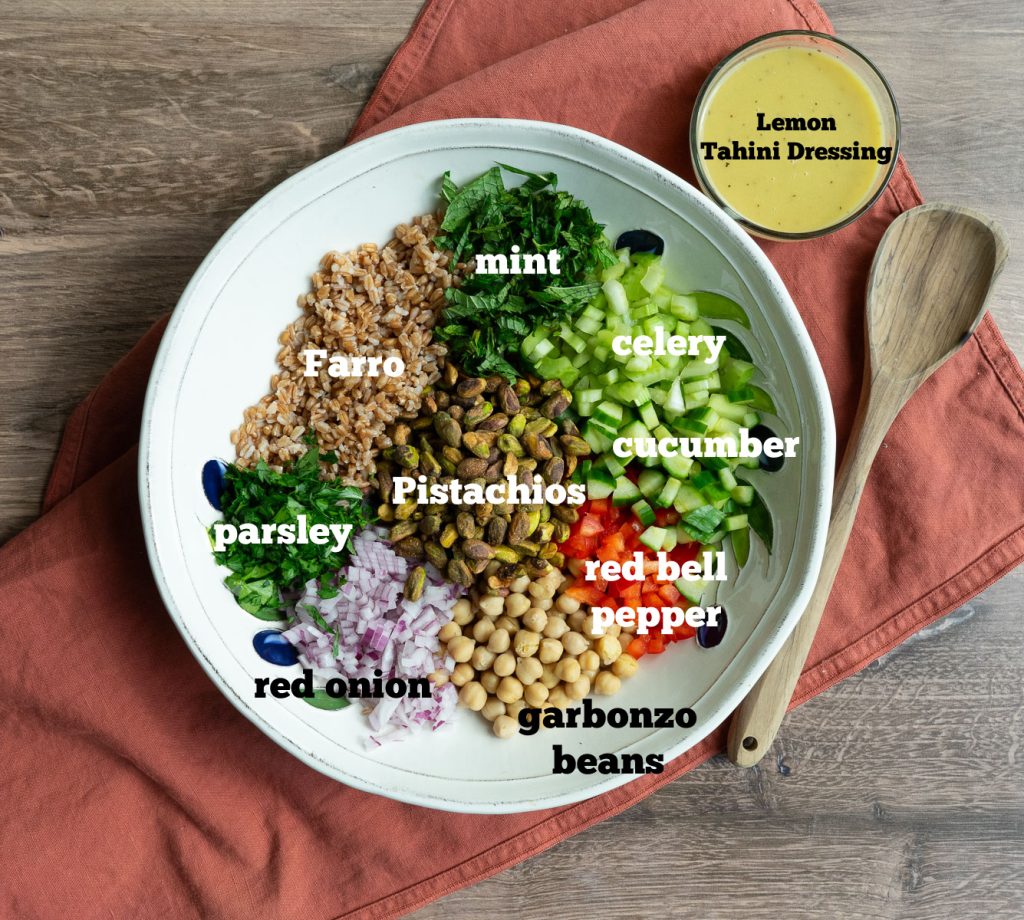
130, 788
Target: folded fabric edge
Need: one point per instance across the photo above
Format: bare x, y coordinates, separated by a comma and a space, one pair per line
403, 65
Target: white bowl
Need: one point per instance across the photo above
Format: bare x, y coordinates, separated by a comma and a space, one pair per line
217, 357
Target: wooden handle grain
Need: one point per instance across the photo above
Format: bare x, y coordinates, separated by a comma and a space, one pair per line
756, 721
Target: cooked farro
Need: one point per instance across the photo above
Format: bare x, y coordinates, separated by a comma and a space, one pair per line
369, 301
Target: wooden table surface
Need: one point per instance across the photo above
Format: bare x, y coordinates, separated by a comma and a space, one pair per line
132, 136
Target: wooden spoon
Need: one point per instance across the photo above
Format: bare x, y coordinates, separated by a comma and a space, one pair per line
929, 282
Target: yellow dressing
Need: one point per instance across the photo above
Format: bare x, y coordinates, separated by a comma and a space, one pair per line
792, 195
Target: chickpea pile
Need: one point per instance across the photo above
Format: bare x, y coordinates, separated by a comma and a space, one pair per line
533, 646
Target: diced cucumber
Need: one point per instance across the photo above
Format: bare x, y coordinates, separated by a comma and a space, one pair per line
668, 493
742, 495
614, 465
600, 483
763, 401
675, 404
626, 492
643, 512
677, 466
651, 482
648, 415
688, 499
735, 522
598, 442
653, 538
608, 413
726, 478
735, 373
693, 591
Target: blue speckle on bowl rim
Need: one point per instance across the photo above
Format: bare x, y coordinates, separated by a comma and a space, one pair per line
213, 481
273, 647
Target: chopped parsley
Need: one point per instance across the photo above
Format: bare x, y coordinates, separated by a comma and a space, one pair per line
260, 572
488, 316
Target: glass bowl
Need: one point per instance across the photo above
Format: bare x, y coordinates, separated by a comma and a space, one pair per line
861, 67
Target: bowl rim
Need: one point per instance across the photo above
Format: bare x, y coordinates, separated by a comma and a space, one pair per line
819, 405
708, 187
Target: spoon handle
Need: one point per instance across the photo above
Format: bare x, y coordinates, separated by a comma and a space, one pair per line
756, 721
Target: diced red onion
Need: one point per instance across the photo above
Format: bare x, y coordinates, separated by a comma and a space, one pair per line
378, 629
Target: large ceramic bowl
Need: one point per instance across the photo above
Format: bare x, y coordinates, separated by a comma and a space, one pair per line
217, 357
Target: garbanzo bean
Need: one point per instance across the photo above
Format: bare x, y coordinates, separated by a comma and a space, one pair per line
550, 651
588, 627
461, 648
516, 605
535, 619
572, 642
608, 648
556, 627
438, 678
513, 709
526, 643
529, 670
489, 681
491, 606
448, 632
541, 589
575, 620
578, 689
543, 603
462, 673
558, 697
519, 584
590, 661
567, 604
473, 696
568, 669
462, 612
536, 695
510, 690
492, 708
482, 658
548, 677
508, 624
504, 664
624, 666
504, 726
607, 683
499, 641
482, 630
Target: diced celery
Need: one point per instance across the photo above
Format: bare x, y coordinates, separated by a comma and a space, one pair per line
684, 306
618, 302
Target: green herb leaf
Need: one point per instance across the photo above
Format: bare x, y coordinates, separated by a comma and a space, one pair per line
487, 318
260, 572
705, 519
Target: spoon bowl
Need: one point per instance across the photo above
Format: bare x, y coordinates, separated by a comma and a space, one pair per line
928, 285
